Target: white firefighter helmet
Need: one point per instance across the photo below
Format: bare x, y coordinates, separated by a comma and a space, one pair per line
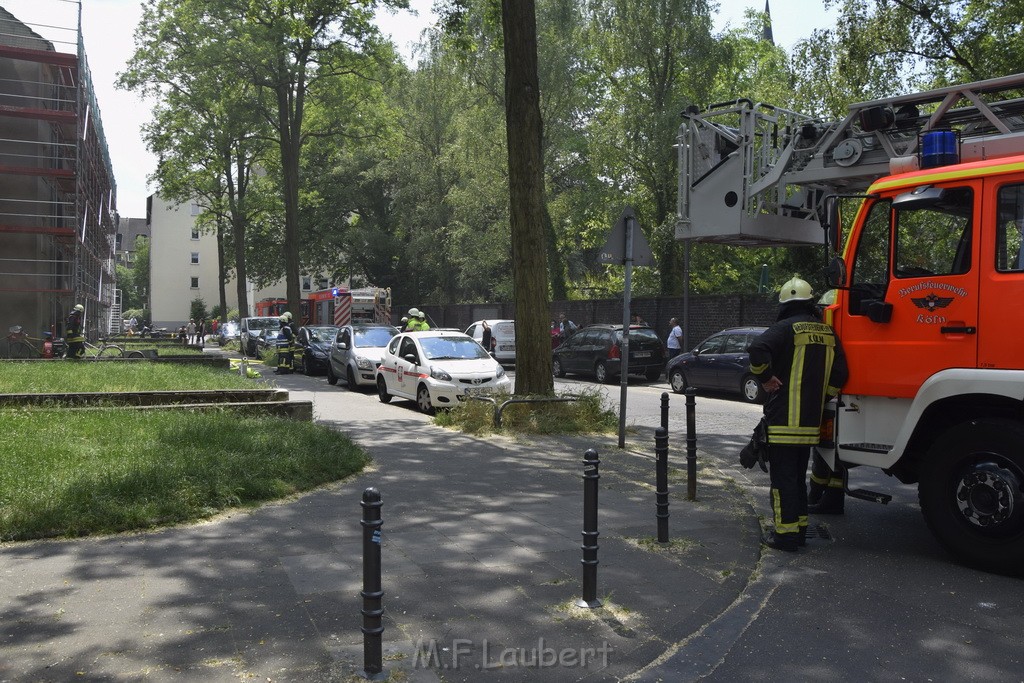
795, 290
414, 313
79, 307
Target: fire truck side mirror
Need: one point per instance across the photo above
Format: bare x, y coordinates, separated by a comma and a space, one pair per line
835, 272
832, 222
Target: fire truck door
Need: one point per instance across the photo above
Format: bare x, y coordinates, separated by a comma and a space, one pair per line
912, 307
1002, 274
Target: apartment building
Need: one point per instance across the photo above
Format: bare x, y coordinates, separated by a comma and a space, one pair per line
183, 265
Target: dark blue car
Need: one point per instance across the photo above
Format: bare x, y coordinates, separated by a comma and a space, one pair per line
719, 363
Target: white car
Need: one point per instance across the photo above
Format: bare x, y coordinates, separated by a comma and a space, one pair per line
437, 369
356, 352
503, 338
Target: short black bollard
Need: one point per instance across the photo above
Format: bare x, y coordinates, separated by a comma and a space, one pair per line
691, 444
664, 410
661, 477
373, 610
591, 476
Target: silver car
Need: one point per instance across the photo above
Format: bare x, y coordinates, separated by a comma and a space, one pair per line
356, 352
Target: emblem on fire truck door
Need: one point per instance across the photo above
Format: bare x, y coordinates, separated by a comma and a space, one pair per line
931, 302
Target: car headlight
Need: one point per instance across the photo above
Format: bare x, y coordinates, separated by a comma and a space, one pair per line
500, 373
439, 374
364, 363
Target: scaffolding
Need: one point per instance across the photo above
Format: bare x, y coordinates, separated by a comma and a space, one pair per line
57, 193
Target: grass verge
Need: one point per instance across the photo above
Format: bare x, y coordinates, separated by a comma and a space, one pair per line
587, 415
81, 473
81, 376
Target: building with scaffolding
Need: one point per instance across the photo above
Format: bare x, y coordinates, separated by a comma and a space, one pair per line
58, 215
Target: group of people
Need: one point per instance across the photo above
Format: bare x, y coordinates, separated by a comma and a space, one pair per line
193, 333
416, 321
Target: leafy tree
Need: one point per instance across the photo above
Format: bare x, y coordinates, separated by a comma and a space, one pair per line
197, 309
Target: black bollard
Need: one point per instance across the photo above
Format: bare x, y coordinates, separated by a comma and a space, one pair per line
661, 480
691, 444
591, 476
664, 410
373, 609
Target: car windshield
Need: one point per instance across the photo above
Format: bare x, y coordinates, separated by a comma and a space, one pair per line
322, 334
452, 348
374, 337
264, 324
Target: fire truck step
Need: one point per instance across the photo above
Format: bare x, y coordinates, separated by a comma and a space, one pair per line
872, 496
866, 447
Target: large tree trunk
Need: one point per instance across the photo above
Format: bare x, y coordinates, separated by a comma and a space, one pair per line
236, 208
290, 126
526, 195
221, 270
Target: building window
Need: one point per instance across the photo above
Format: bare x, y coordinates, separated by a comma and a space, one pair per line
129, 256
196, 209
307, 283
195, 233
195, 257
118, 240
195, 283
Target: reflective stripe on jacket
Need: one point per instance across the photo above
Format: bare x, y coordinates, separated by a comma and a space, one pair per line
806, 356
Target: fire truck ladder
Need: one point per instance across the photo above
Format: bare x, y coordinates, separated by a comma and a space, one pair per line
755, 174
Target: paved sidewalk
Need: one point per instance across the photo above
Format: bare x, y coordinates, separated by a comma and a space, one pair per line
481, 560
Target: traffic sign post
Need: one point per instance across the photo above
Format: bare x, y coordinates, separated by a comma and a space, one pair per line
626, 245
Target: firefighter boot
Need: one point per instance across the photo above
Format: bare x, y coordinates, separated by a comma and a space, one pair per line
820, 475
831, 502
787, 542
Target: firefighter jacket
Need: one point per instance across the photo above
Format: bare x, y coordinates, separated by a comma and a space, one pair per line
806, 356
73, 328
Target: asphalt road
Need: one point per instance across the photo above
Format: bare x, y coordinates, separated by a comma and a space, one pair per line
876, 599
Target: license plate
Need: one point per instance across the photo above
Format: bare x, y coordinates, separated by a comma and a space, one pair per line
642, 354
475, 391
506, 347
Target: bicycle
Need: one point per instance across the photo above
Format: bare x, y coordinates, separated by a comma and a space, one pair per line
104, 350
19, 344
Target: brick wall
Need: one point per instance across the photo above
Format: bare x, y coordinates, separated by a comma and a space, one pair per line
709, 313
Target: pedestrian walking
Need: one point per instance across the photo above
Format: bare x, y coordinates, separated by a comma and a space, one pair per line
800, 363
487, 337
674, 343
201, 332
190, 331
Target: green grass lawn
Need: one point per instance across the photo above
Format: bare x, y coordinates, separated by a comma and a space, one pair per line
74, 473
81, 376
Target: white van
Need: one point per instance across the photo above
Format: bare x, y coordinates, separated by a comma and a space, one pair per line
503, 338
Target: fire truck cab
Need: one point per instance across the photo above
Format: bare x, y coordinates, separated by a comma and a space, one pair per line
929, 285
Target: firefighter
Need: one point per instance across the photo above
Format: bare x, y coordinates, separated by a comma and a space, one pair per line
298, 350
800, 363
285, 338
74, 333
421, 321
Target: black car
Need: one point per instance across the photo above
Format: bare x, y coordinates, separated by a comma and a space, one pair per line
719, 363
596, 350
315, 341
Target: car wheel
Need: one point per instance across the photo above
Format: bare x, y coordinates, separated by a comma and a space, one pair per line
677, 379
971, 493
423, 400
350, 378
653, 374
332, 379
382, 390
307, 368
556, 368
751, 389
601, 372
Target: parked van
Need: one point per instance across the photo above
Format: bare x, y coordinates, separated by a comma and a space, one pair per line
503, 338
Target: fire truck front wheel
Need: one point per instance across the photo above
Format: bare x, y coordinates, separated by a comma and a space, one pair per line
972, 493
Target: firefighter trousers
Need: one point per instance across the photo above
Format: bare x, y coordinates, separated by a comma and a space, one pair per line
788, 471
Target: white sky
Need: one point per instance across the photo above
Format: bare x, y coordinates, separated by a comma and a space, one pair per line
109, 25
